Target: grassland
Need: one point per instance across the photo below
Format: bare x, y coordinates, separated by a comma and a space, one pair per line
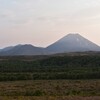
49, 98
51, 88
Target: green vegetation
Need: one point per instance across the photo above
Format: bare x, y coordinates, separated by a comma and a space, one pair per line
50, 67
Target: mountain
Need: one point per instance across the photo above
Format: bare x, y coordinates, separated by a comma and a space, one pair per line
6, 48
69, 43
26, 49
72, 43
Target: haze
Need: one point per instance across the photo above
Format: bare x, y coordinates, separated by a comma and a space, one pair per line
42, 22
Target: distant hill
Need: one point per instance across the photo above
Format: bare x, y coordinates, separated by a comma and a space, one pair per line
26, 49
69, 43
73, 43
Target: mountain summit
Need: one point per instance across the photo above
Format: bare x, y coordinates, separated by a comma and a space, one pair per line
73, 43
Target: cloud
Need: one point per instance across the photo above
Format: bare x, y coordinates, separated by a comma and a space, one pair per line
87, 13
16, 11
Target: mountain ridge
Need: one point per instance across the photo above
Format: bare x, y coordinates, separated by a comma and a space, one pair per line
69, 43
26, 49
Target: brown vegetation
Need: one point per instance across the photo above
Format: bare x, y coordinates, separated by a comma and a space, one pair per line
51, 88
49, 98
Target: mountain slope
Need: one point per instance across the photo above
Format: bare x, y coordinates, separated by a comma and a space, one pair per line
7, 48
26, 49
73, 43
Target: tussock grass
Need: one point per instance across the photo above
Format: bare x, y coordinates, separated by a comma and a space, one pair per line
51, 88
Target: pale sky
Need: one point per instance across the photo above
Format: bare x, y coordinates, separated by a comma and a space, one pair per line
42, 22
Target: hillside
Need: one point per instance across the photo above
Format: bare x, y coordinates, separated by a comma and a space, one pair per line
26, 49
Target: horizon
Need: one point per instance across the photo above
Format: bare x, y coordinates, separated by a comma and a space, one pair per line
42, 22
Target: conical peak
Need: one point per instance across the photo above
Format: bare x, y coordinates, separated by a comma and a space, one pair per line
73, 34
73, 42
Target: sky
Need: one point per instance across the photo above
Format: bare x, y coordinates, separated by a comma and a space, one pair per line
42, 22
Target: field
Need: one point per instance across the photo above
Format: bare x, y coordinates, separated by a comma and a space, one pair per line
50, 98
50, 90
74, 76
